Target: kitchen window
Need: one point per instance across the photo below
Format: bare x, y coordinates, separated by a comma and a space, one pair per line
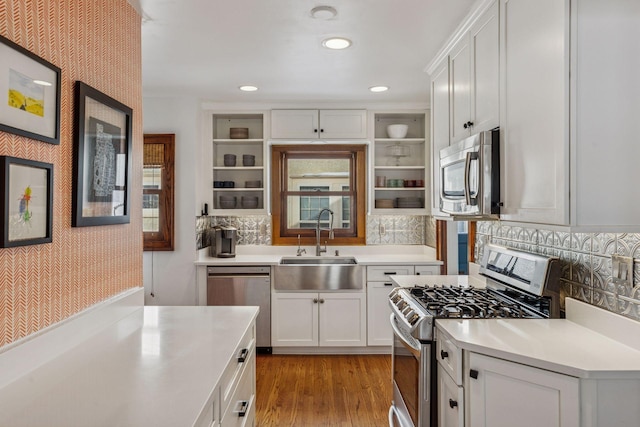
157, 192
309, 178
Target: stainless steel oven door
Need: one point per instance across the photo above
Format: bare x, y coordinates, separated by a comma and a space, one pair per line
411, 379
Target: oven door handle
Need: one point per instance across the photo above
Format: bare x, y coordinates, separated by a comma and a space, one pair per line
467, 177
396, 330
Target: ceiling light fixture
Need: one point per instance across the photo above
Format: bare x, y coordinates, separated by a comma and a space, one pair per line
248, 88
379, 88
323, 12
336, 43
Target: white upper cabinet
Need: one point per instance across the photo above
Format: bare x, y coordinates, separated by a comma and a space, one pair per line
534, 122
314, 124
439, 127
474, 77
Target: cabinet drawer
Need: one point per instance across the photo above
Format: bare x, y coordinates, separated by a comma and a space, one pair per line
424, 270
241, 408
381, 273
449, 357
243, 358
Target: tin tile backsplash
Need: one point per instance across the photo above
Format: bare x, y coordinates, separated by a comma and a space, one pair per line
587, 272
381, 230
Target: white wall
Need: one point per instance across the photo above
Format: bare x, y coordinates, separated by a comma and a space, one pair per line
171, 275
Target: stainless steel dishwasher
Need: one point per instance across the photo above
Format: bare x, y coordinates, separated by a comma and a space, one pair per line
244, 285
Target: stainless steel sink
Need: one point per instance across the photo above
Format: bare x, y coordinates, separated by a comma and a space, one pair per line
320, 274
318, 261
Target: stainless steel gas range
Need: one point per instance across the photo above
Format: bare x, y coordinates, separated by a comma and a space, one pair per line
518, 285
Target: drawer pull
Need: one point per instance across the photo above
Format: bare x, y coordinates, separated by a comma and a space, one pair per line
390, 273
243, 355
388, 284
444, 354
452, 403
244, 404
473, 374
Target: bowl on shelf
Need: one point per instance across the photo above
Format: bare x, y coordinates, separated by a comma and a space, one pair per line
227, 202
228, 184
249, 202
384, 203
218, 184
397, 131
239, 133
229, 159
248, 160
253, 184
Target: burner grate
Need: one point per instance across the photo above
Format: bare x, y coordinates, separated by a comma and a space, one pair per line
466, 303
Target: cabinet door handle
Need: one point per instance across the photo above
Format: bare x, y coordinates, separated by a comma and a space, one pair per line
466, 125
244, 404
315, 300
243, 355
473, 374
452, 403
321, 130
321, 301
443, 354
315, 131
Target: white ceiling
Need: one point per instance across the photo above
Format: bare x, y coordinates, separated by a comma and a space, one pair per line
207, 48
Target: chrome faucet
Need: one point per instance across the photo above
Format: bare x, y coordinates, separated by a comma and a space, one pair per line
318, 230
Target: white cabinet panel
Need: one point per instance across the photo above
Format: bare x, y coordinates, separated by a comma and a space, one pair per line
450, 401
303, 319
379, 330
534, 111
313, 124
439, 128
460, 72
294, 319
342, 319
505, 394
485, 73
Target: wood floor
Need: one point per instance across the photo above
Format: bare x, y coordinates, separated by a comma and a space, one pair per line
323, 390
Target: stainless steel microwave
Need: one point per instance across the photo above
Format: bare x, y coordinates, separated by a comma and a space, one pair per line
470, 177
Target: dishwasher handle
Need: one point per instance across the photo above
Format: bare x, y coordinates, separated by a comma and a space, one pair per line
239, 276
249, 270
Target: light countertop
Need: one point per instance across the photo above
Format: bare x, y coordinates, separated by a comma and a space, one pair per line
366, 255
158, 366
558, 345
406, 281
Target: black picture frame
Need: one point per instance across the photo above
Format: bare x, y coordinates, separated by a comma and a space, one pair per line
102, 159
29, 94
26, 203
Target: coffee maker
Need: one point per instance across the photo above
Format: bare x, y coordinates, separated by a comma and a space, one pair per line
223, 241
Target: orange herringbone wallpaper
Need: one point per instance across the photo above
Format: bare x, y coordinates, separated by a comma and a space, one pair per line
97, 42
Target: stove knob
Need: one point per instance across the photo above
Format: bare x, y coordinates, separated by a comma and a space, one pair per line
407, 310
401, 305
413, 319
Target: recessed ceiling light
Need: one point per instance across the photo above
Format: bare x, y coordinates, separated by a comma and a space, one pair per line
248, 88
323, 12
379, 88
336, 43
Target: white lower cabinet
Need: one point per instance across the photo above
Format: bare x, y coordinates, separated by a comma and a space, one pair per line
450, 401
504, 394
379, 330
328, 319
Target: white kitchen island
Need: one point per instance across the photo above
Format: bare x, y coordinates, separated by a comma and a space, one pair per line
156, 366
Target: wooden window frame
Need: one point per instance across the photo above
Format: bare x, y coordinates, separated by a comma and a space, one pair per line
163, 240
281, 235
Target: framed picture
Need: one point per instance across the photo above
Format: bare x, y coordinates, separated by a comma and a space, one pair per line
29, 94
27, 201
102, 163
